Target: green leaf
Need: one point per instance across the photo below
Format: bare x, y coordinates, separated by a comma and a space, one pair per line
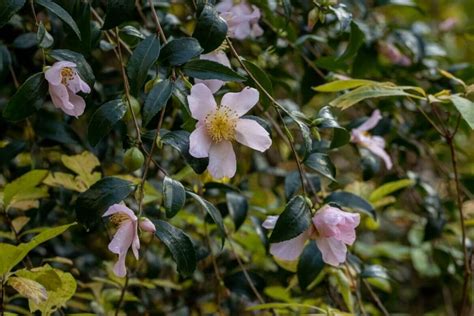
356, 39
350, 200
142, 59
84, 69
91, 205
118, 11
210, 30
465, 108
212, 211
12, 255
104, 119
174, 196
5, 61
340, 85
179, 51
238, 207
310, 265
23, 186
157, 99
59, 285
294, 220
287, 306
60, 13
389, 188
44, 39
180, 246
26, 99
25, 41
8, 8
326, 119
207, 69
321, 163
180, 141
262, 78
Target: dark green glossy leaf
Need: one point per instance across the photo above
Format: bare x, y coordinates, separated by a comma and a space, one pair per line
207, 69
44, 39
238, 207
212, 211
92, 204
104, 118
60, 13
118, 11
142, 59
310, 265
5, 61
294, 220
9, 152
26, 99
293, 183
180, 141
84, 69
179, 51
174, 196
25, 41
321, 163
157, 99
326, 119
465, 108
262, 78
180, 246
210, 30
8, 8
356, 39
350, 200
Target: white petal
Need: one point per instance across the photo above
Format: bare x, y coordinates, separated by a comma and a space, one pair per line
333, 250
371, 122
120, 208
199, 142
270, 222
289, 249
241, 102
222, 162
201, 101
252, 134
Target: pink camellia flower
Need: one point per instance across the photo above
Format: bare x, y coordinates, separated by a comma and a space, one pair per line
242, 19
126, 235
375, 144
332, 229
394, 55
219, 57
64, 84
219, 125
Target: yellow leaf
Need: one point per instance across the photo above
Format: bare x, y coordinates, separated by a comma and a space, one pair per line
20, 188
65, 180
83, 165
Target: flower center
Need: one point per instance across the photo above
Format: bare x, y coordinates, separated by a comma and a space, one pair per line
118, 219
221, 124
67, 74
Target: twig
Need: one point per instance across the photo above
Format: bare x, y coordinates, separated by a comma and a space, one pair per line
159, 30
122, 295
355, 284
375, 298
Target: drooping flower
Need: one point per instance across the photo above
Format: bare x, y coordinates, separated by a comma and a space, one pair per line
375, 144
332, 229
242, 19
64, 84
219, 57
394, 55
219, 125
126, 236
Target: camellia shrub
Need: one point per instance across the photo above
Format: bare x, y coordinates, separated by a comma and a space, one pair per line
242, 157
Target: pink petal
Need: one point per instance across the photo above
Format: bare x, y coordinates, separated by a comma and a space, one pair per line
147, 225
241, 31
120, 208
79, 105
256, 30
242, 101
199, 142
123, 238
326, 221
219, 57
289, 249
371, 122
60, 97
120, 269
333, 251
77, 84
201, 101
213, 84
379, 151
270, 222
222, 162
53, 74
224, 6
136, 242
252, 134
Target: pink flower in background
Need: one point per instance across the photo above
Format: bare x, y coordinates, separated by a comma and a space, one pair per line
64, 84
375, 144
242, 19
332, 229
392, 53
126, 235
219, 57
219, 125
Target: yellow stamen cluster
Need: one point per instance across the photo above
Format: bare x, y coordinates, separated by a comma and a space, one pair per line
119, 218
221, 124
67, 74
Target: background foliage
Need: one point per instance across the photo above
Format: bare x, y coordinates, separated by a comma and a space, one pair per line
60, 173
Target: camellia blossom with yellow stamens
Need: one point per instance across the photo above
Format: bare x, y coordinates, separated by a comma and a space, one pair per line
126, 236
64, 84
219, 125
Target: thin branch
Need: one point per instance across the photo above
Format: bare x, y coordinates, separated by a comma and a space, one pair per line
122, 295
375, 298
159, 30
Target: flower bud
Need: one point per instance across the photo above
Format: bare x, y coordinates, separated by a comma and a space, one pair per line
147, 225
